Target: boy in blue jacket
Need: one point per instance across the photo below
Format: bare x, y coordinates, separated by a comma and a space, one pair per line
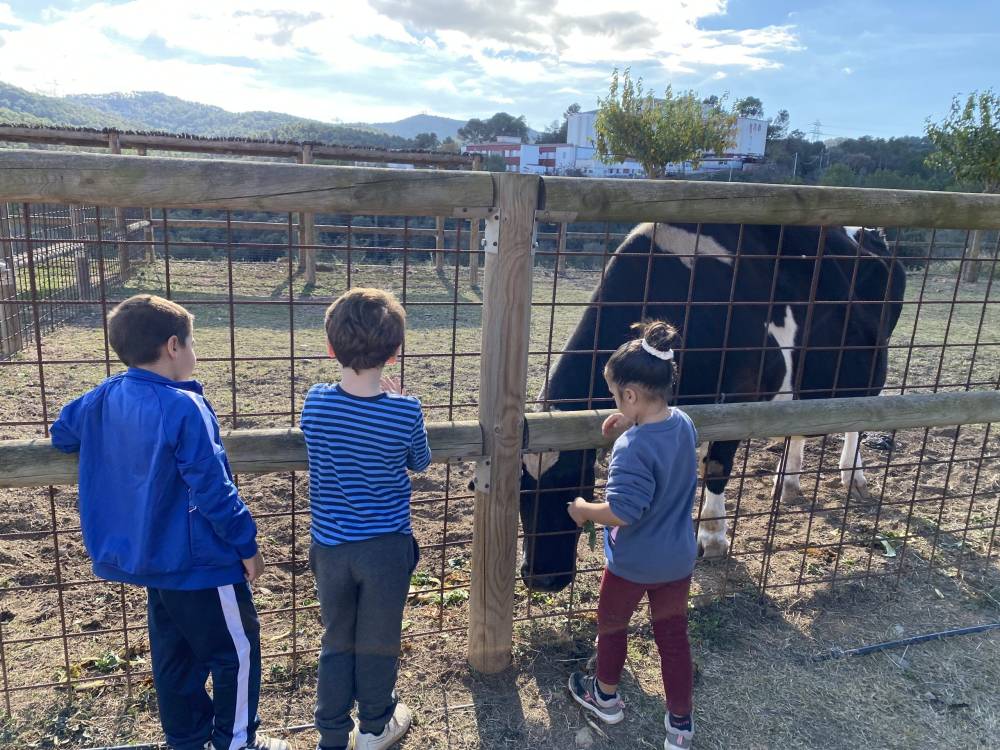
159, 509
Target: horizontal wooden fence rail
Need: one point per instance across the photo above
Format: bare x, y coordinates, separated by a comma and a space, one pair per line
277, 226
35, 463
55, 249
59, 177
735, 202
106, 180
141, 141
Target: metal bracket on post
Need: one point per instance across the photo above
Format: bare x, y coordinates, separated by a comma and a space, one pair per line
481, 480
491, 235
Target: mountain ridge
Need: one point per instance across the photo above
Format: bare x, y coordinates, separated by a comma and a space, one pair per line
155, 111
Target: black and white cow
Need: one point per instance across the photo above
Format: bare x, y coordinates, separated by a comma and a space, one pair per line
778, 347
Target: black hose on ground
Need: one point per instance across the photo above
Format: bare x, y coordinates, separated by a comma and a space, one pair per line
839, 653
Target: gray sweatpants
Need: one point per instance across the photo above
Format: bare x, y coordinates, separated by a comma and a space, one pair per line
362, 588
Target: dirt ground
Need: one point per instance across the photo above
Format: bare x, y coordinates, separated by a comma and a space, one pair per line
920, 556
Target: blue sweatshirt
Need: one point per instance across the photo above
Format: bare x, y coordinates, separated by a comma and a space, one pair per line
158, 506
652, 480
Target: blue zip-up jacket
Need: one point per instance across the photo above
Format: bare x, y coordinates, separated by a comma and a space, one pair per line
158, 506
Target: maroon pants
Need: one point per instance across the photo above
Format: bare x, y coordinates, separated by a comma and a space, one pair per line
668, 604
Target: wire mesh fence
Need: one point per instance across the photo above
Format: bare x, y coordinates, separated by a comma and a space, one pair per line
261, 343
931, 497
799, 514
58, 257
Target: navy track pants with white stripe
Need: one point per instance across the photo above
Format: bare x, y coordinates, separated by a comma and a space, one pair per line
196, 633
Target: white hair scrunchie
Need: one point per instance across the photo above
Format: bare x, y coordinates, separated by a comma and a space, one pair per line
665, 356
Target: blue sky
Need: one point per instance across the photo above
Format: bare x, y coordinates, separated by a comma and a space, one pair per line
857, 67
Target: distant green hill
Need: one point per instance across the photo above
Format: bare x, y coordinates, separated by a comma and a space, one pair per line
158, 112
21, 107
162, 112
409, 127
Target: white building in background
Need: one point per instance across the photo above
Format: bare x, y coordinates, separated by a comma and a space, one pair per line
579, 154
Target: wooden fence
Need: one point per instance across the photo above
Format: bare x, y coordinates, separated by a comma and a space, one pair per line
511, 206
303, 153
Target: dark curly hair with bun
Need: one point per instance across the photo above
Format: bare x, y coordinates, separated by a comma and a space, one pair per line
632, 365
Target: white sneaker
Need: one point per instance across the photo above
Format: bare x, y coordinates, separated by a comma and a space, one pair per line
392, 733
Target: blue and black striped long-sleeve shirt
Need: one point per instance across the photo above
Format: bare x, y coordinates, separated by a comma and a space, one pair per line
359, 451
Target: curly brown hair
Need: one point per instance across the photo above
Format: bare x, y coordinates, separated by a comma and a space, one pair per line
365, 328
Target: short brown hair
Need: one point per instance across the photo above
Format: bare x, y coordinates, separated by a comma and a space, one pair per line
140, 325
365, 328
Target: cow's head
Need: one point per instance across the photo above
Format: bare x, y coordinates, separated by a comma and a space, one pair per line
873, 240
549, 481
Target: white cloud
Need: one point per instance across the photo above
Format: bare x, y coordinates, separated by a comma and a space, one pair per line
7, 17
272, 54
847, 71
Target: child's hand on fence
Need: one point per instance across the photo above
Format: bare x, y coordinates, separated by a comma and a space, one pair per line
253, 567
615, 425
391, 385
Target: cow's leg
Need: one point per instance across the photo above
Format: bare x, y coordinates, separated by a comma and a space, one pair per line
852, 473
718, 463
790, 468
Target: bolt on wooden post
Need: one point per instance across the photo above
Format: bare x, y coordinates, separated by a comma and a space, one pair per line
502, 376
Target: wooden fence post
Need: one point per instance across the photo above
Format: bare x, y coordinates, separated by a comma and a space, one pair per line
78, 228
560, 268
474, 251
114, 146
10, 315
502, 377
147, 216
307, 229
477, 166
439, 242
972, 262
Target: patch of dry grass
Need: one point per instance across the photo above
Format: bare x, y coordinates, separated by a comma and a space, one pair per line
756, 685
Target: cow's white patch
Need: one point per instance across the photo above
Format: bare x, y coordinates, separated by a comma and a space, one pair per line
536, 464
680, 242
785, 336
712, 525
790, 475
852, 474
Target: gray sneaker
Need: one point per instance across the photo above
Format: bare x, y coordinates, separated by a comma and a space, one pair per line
583, 688
392, 733
676, 738
268, 743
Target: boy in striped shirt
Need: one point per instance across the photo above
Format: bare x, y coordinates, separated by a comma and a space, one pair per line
362, 435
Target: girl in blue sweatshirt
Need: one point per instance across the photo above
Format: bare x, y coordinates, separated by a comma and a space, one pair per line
649, 541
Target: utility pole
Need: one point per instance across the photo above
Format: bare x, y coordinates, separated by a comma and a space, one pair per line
795, 164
